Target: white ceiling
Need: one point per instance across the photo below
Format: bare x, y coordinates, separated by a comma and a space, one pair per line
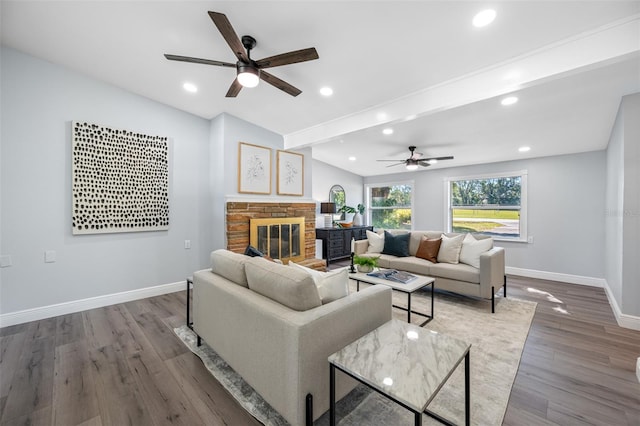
419, 67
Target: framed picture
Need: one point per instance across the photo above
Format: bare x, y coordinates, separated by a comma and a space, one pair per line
254, 169
290, 173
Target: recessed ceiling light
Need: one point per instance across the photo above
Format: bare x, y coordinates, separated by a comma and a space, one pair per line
510, 100
352, 158
381, 116
388, 131
484, 18
432, 161
326, 91
190, 87
524, 149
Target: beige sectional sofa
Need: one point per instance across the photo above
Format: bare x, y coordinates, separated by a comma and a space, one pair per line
455, 277
268, 323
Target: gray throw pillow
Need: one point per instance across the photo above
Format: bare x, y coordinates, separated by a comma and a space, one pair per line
396, 245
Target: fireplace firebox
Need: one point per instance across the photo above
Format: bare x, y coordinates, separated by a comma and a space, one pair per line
279, 238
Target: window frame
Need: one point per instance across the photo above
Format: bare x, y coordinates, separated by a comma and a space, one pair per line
524, 236
367, 198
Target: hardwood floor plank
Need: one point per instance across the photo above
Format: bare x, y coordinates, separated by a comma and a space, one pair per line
160, 335
74, 393
32, 384
209, 398
117, 392
10, 351
41, 417
69, 328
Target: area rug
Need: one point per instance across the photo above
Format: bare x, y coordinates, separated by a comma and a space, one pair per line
496, 341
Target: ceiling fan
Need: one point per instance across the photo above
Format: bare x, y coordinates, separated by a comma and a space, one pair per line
415, 160
250, 72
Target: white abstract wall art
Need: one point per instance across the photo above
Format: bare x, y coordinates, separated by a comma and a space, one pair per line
120, 180
254, 169
290, 173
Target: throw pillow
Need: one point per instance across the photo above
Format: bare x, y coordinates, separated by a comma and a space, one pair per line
396, 245
428, 249
472, 249
253, 252
332, 285
376, 242
450, 249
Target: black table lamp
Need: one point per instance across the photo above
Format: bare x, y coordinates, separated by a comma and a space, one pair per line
328, 209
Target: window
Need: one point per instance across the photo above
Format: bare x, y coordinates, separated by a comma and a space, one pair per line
494, 205
389, 206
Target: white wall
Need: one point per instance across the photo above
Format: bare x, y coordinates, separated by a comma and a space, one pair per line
39, 101
565, 212
622, 204
325, 176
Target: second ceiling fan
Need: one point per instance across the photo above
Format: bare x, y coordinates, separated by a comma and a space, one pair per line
250, 72
415, 160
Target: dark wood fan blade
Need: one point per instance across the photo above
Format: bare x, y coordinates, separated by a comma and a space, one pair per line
393, 160
423, 163
199, 61
397, 164
437, 158
296, 56
234, 89
280, 84
229, 34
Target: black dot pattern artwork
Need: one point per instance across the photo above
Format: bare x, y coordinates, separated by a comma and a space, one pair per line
120, 180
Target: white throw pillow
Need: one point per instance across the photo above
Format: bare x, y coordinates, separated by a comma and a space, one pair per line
472, 249
450, 249
332, 285
376, 242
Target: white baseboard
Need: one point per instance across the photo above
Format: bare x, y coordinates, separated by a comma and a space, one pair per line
43, 312
556, 276
623, 320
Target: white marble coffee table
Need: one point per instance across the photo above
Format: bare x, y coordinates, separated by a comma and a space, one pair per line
410, 287
405, 363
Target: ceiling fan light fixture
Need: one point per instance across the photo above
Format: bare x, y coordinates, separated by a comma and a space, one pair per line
412, 166
248, 76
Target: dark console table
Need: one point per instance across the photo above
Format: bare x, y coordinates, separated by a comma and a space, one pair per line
336, 242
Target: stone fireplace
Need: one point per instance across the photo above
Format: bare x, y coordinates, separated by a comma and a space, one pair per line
238, 227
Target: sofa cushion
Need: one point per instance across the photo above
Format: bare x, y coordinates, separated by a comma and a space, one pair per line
428, 249
288, 286
376, 242
450, 249
396, 245
411, 264
459, 272
332, 285
230, 265
472, 249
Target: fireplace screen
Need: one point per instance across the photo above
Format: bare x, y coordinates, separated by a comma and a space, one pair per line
279, 238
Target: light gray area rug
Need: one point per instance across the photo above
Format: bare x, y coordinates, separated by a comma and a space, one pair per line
497, 341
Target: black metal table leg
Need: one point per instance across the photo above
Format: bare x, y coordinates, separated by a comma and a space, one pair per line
409, 308
189, 284
332, 395
467, 390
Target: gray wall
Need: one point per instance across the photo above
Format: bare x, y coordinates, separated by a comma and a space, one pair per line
622, 203
565, 214
39, 101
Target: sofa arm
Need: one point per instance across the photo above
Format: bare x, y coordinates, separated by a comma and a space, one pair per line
360, 246
492, 270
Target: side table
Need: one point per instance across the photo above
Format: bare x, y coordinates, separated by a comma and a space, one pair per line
189, 287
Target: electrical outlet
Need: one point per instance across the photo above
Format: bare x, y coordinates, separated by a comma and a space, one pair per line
49, 256
530, 239
5, 261
187, 244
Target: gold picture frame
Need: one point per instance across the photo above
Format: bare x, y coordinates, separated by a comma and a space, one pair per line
290, 172
254, 169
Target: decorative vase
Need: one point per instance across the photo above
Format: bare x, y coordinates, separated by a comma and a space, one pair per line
365, 269
357, 219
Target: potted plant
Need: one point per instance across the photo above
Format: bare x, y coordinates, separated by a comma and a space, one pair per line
347, 210
365, 264
357, 218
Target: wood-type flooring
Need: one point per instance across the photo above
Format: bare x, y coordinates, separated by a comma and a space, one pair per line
123, 365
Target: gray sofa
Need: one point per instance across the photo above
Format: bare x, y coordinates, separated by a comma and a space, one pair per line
268, 323
458, 278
